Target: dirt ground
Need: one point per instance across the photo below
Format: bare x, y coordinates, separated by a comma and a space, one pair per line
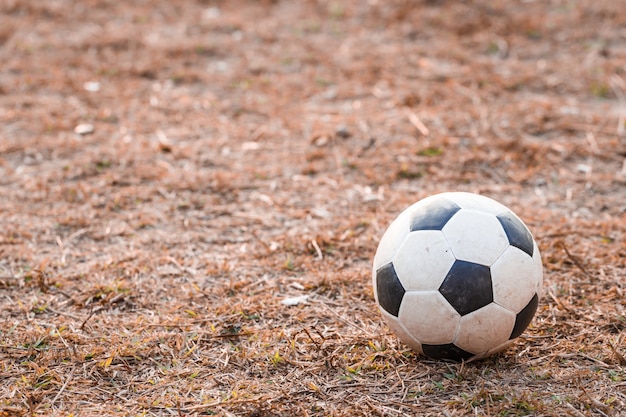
191, 194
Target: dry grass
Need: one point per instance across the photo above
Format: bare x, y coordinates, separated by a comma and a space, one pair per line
244, 154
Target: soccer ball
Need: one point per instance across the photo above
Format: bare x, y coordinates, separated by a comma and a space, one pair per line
457, 276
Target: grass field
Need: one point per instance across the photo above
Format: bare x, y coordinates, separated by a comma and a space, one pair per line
192, 192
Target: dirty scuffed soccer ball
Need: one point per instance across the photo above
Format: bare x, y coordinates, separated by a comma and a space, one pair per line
457, 276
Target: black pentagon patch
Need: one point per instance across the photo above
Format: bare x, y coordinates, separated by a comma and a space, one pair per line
518, 234
389, 289
467, 287
448, 352
524, 317
434, 215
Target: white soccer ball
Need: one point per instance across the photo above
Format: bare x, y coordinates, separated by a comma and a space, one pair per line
457, 276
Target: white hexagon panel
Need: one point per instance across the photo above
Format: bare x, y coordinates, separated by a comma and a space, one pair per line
484, 329
416, 309
423, 260
476, 237
515, 279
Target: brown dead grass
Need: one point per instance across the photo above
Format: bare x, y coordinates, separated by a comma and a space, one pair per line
244, 153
